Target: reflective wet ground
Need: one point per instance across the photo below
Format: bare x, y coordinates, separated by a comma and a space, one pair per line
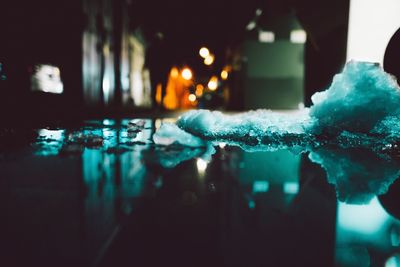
103, 194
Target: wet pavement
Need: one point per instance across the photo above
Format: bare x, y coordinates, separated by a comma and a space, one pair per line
103, 194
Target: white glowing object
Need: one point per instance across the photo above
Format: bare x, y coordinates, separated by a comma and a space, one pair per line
213, 83
252, 24
260, 186
106, 86
187, 74
199, 90
204, 52
298, 36
266, 36
393, 261
47, 79
51, 134
137, 83
371, 25
201, 166
192, 98
224, 75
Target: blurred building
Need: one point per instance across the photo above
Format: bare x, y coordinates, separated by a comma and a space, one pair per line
290, 51
113, 56
60, 59
273, 54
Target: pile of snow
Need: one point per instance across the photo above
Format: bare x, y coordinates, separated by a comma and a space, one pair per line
358, 99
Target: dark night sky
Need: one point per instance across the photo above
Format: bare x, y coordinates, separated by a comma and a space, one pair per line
187, 25
198, 21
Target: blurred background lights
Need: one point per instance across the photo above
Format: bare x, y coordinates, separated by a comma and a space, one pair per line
224, 75
51, 134
204, 52
199, 90
213, 83
106, 86
187, 74
251, 204
298, 36
251, 25
174, 72
266, 36
192, 98
209, 60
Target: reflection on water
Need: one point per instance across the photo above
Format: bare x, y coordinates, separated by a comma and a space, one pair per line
275, 201
366, 235
358, 174
49, 142
393, 261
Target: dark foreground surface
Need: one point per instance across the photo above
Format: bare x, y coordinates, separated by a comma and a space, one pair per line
103, 194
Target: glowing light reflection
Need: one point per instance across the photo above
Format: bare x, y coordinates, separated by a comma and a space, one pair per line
199, 90
291, 187
213, 83
51, 134
201, 166
298, 36
393, 261
366, 219
224, 75
260, 186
